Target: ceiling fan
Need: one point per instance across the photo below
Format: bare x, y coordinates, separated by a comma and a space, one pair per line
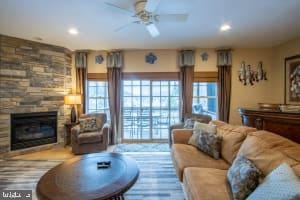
144, 13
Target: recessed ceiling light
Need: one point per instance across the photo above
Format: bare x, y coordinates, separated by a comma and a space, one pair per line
225, 27
73, 31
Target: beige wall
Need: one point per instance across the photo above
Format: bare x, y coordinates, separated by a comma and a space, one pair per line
249, 96
270, 91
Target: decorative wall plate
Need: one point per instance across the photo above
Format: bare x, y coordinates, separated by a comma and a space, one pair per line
150, 58
204, 56
99, 59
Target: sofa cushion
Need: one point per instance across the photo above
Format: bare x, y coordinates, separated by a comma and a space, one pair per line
280, 184
243, 177
210, 144
206, 184
89, 137
233, 137
268, 150
184, 155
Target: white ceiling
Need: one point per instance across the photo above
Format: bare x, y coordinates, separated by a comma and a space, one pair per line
255, 23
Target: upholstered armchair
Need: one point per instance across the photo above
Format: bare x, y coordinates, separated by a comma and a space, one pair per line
93, 140
197, 117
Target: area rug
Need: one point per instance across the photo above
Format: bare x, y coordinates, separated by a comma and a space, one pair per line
157, 180
142, 147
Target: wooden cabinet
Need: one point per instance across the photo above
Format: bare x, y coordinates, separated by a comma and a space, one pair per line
282, 123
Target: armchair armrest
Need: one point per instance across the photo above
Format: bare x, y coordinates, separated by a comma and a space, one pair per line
75, 131
181, 136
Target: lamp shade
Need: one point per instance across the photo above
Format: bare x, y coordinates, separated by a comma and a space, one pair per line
73, 99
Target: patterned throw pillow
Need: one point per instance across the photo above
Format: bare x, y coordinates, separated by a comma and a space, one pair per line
280, 184
198, 127
210, 143
189, 123
243, 177
88, 124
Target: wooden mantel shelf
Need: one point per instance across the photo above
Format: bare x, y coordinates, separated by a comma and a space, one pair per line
286, 124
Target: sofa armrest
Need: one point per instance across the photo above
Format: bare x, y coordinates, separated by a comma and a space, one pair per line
181, 136
171, 128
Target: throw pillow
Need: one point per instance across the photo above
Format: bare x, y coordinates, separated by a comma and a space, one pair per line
210, 143
243, 177
210, 128
198, 127
280, 184
88, 124
189, 123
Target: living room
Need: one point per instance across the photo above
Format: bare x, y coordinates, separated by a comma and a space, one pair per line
149, 99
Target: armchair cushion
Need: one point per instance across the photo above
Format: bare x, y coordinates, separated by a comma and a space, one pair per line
88, 124
90, 137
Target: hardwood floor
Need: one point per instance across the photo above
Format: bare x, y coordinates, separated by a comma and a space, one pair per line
56, 153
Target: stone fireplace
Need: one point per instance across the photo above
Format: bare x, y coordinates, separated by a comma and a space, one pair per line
34, 77
33, 129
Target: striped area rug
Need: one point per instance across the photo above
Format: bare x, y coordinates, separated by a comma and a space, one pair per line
157, 180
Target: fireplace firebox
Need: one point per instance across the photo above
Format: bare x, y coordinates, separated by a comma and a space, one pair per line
33, 129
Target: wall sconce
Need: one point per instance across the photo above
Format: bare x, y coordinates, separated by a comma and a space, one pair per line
261, 74
248, 76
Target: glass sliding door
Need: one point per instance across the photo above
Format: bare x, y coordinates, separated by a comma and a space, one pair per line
149, 107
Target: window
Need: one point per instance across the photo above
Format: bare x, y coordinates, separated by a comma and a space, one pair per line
149, 107
97, 97
205, 98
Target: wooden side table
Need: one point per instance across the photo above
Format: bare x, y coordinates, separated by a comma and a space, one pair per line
67, 136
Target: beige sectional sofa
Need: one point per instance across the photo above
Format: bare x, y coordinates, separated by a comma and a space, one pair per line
205, 178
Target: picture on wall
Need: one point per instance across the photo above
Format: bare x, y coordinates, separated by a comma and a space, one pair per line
292, 80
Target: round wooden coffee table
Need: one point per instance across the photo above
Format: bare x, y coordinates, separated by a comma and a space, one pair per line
80, 178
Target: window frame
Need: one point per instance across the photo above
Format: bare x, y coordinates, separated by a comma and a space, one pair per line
105, 98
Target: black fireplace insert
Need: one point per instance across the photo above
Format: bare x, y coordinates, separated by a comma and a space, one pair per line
33, 129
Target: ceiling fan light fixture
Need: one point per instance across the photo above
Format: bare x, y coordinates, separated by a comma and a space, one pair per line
152, 30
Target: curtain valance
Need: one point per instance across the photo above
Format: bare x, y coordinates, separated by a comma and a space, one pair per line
186, 58
115, 59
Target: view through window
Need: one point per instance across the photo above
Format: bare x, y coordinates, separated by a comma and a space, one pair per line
149, 107
205, 98
97, 97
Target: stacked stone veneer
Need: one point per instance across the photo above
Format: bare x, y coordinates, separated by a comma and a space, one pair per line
34, 77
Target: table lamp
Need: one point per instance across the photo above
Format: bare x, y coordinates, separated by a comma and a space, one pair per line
73, 99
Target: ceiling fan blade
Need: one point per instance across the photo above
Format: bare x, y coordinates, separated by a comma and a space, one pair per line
151, 5
152, 29
126, 25
118, 8
172, 17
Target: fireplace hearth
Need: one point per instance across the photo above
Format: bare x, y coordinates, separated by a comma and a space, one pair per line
33, 129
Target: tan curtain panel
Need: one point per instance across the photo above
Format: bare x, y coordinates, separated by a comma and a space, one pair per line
186, 62
114, 78
81, 77
224, 84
